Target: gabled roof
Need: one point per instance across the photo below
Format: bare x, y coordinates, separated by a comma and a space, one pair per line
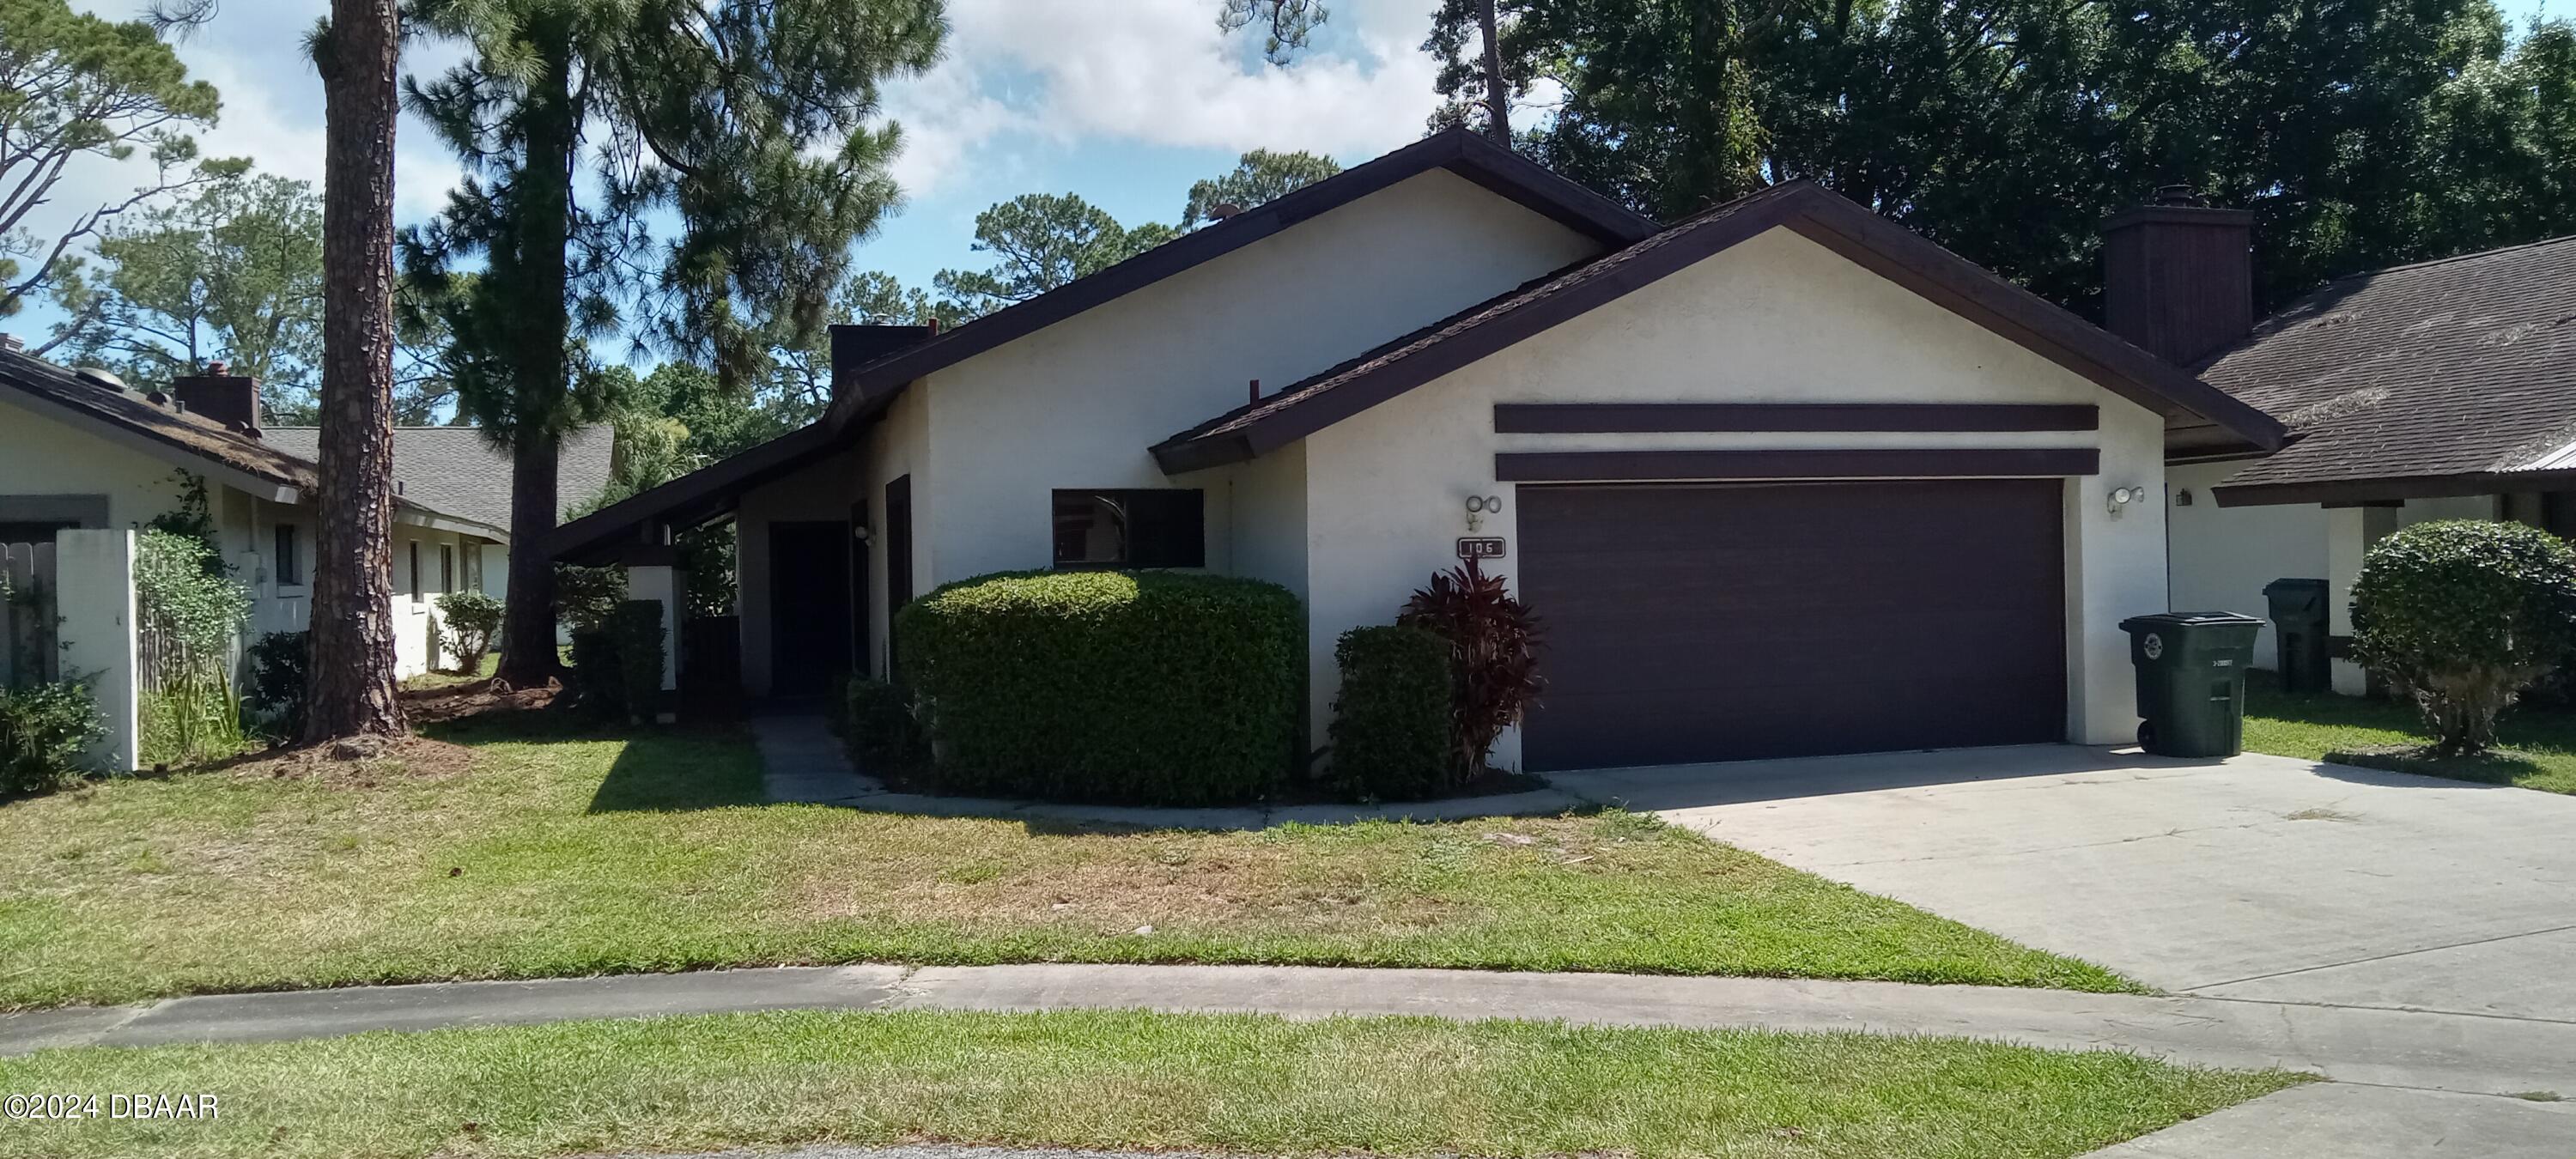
2444, 377
866, 388
1826, 218
458, 471
691, 499
196, 443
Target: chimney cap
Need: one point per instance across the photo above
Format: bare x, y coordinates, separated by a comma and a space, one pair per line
12, 342
2177, 205
218, 368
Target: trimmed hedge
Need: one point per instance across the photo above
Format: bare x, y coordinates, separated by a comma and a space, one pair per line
2461, 615
1390, 727
1166, 688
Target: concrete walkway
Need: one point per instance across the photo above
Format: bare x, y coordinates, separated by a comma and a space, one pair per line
803, 763
2395, 1048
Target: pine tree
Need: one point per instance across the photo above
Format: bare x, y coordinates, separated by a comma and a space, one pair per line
752, 124
351, 688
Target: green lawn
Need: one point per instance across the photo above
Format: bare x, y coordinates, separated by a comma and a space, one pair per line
2539, 744
551, 856
1237, 1084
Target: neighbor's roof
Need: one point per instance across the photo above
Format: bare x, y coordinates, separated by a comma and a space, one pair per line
2444, 377
868, 387
458, 471
278, 471
1826, 218
164, 431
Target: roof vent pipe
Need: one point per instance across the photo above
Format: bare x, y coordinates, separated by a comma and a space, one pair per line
1256, 390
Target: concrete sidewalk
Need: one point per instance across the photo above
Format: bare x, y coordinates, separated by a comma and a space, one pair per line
2449, 1052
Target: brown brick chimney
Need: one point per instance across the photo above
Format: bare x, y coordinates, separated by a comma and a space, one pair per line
2178, 276
230, 399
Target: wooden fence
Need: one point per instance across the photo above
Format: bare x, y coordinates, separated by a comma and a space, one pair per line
28, 647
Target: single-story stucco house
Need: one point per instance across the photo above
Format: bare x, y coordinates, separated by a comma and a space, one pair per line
1780, 478
2439, 390
79, 449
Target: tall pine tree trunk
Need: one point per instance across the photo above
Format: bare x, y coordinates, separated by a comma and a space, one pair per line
350, 686
1498, 104
537, 262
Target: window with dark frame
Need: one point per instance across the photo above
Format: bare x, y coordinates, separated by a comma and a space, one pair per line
416, 596
446, 568
1135, 527
290, 562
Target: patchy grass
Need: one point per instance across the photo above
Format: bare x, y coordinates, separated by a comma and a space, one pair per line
543, 856
2539, 744
1236, 1084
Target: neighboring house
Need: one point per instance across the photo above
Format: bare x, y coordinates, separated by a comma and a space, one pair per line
1779, 479
80, 450
458, 471
2440, 390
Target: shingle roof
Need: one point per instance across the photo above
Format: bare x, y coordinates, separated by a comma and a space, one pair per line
1822, 216
189, 434
2461, 366
455, 470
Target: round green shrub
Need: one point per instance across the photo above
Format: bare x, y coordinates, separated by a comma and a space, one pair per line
1164, 688
470, 622
44, 729
1390, 728
2461, 615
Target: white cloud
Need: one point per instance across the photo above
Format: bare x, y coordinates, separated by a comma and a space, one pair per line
1160, 72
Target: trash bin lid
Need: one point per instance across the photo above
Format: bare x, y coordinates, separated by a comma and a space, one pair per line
2302, 586
2184, 620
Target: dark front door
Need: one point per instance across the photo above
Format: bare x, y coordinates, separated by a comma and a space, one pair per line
1724, 622
809, 607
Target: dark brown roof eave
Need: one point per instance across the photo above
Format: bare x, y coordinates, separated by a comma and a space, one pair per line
688, 500
2391, 489
1873, 242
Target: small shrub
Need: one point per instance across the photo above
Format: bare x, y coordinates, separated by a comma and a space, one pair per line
636, 629
2460, 616
470, 621
599, 684
586, 597
1492, 658
1167, 688
877, 719
1390, 728
43, 730
276, 694
191, 615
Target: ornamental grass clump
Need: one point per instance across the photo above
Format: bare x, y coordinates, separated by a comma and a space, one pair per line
2460, 616
1493, 658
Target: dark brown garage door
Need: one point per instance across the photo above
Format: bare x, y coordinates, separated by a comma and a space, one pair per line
1727, 622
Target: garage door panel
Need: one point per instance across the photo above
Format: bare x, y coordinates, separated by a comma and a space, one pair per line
1694, 623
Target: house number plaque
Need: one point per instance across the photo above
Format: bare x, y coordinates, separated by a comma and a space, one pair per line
1482, 548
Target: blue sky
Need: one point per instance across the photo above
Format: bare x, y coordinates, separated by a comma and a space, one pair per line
1125, 102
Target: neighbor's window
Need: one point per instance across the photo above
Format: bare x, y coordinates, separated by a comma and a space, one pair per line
446, 568
415, 571
290, 562
1132, 528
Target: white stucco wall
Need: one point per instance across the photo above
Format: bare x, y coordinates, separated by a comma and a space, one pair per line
1078, 403
2220, 557
1775, 319
40, 456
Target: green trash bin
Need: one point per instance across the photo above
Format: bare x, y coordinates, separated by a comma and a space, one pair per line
2191, 681
2299, 633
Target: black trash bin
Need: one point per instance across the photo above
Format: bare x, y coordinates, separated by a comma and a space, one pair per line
2191, 680
2299, 633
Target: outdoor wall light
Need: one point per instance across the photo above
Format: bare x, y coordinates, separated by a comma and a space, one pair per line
1479, 506
2123, 496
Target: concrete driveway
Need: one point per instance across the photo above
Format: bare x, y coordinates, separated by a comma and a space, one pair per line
2254, 877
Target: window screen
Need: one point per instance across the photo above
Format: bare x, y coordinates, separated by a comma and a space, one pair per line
1131, 528
290, 562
